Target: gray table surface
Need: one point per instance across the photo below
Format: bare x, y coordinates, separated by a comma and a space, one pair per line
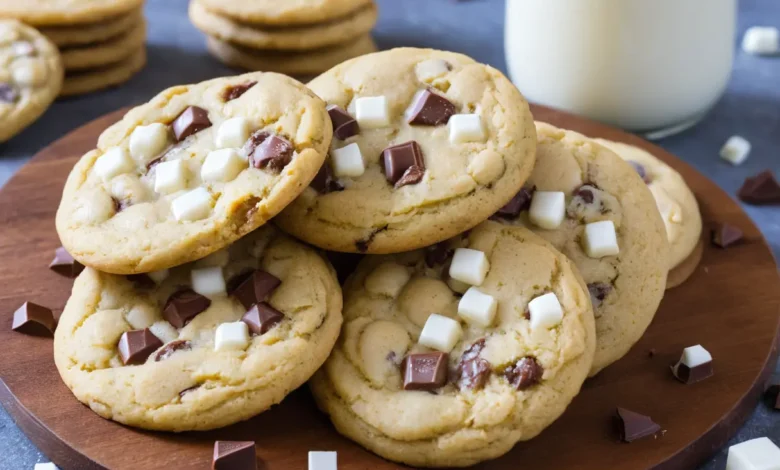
750, 107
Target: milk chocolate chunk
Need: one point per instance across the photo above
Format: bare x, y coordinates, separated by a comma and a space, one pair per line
191, 120
585, 193
236, 91
726, 235
412, 175
64, 264
640, 169
437, 254
598, 292
253, 287
261, 318
430, 109
8, 94
325, 182
695, 365
773, 396
760, 189
172, 347
344, 125
182, 306
33, 319
474, 371
632, 426
425, 371
266, 150
399, 158
525, 373
520, 202
137, 345
141, 281
234, 455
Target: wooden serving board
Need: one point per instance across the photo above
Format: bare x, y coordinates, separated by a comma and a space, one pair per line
731, 305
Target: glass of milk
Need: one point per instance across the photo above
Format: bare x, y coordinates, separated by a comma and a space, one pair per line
651, 66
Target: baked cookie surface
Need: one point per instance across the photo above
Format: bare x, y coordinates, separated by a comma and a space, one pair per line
285, 13
170, 351
423, 376
675, 200
191, 171
595, 208
89, 33
59, 12
88, 80
105, 53
30, 76
428, 144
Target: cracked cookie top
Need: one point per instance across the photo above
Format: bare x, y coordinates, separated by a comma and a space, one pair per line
427, 144
450, 355
201, 345
596, 209
192, 171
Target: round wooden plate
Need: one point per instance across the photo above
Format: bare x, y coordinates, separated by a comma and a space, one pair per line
730, 305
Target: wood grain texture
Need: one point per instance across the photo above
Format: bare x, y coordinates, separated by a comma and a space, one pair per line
730, 304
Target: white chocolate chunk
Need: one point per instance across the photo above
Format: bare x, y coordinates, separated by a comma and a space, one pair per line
46, 466
695, 356
159, 276
372, 112
477, 307
761, 40
755, 454
548, 208
466, 128
319, 460
430, 69
469, 266
546, 311
440, 333
735, 150
208, 282
170, 177
600, 239
165, 331
146, 142
28, 72
222, 166
387, 279
112, 163
233, 133
347, 161
194, 205
231, 336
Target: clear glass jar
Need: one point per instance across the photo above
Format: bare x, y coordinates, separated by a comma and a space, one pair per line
643, 65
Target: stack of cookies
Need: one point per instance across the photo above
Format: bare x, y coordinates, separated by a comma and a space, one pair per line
102, 42
293, 37
505, 260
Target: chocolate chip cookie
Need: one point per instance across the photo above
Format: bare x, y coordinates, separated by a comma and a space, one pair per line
450, 355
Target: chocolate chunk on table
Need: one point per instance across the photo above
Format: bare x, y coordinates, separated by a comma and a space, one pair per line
182, 306
773, 396
425, 371
399, 159
191, 120
253, 287
234, 455
64, 264
344, 125
725, 235
236, 91
261, 318
430, 109
632, 426
34, 319
137, 345
695, 365
760, 189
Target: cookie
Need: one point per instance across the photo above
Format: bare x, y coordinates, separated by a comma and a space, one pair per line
90, 33
104, 53
418, 377
30, 76
191, 171
304, 63
177, 353
89, 80
355, 25
66, 12
595, 208
439, 143
675, 200
287, 13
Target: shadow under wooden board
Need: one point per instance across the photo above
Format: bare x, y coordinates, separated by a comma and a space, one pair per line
731, 305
